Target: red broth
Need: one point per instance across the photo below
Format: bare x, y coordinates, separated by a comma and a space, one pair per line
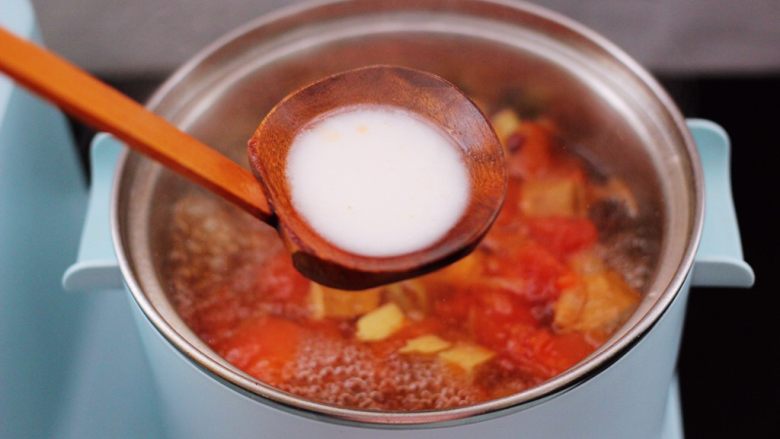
538, 295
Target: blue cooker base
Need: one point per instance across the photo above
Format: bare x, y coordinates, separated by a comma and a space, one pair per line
111, 391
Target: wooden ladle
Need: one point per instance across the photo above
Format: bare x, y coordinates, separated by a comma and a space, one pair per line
430, 96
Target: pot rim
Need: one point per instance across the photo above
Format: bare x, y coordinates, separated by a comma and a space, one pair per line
591, 366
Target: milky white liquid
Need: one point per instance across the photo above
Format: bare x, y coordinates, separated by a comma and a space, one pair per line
377, 181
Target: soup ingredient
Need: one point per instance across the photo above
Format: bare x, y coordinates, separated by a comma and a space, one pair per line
553, 197
377, 180
598, 303
531, 145
340, 304
505, 123
411, 296
539, 294
425, 344
467, 356
263, 347
563, 236
466, 269
380, 323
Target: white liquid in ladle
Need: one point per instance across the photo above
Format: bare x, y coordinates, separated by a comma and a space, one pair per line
377, 181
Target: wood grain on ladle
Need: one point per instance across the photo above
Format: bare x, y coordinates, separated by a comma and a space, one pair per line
424, 94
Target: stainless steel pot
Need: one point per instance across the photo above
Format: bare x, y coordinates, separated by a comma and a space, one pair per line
615, 113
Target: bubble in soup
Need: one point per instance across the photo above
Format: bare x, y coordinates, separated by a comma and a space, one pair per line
377, 180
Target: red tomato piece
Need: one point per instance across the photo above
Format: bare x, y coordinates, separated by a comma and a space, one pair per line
569, 349
262, 347
495, 316
563, 236
536, 270
524, 345
544, 354
533, 157
567, 280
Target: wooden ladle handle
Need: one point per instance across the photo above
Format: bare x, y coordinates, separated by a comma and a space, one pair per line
105, 108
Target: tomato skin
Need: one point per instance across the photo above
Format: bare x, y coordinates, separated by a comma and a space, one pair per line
534, 155
539, 352
563, 236
534, 270
570, 348
262, 347
494, 315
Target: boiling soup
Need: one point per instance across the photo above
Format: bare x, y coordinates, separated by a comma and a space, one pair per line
558, 273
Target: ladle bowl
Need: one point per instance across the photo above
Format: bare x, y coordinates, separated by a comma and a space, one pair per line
424, 94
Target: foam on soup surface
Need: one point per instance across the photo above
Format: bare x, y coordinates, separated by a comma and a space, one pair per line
555, 277
377, 180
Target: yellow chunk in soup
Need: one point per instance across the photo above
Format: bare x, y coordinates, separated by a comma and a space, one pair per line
467, 356
601, 303
340, 304
411, 296
425, 344
552, 197
465, 270
505, 123
380, 323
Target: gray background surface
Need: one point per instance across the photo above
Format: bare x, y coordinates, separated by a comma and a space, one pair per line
142, 37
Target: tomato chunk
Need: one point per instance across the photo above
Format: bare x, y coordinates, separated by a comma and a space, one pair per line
539, 352
563, 236
533, 157
499, 312
533, 270
262, 347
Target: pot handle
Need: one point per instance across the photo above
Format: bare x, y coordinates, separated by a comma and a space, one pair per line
719, 261
96, 267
